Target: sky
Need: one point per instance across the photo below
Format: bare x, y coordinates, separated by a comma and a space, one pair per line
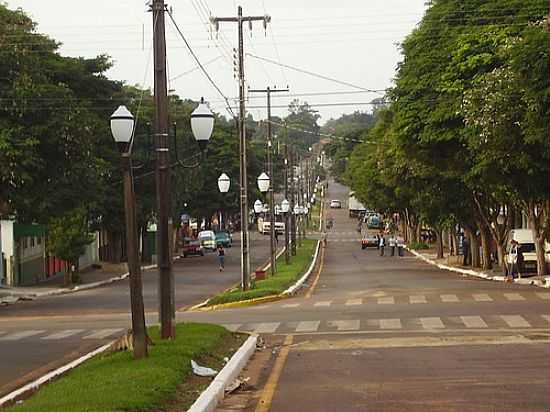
353, 41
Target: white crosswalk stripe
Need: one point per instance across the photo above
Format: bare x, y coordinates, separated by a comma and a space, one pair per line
515, 321
386, 301
449, 298
513, 296
417, 299
270, 327
473, 322
482, 297
432, 323
354, 302
21, 335
308, 326
63, 334
324, 303
545, 296
390, 323
345, 324
232, 327
102, 333
291, 305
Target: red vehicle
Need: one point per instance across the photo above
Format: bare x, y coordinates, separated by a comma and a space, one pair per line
191, 247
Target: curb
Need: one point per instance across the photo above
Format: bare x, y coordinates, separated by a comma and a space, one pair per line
469, 272
292, 290
208, 400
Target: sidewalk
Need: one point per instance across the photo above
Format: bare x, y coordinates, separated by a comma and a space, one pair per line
89, 278
453, 264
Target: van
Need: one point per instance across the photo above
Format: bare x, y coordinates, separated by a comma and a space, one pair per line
527, 246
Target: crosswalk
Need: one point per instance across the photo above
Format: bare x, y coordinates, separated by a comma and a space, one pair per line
433, 323
420, 299
94, 334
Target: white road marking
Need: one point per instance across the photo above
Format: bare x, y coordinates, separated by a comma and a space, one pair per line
291, 305
513, 296
386, 301
232, 327
418, 299
269, 327
482, 297
63, 334
432, 323
308, 326
545, 296
515, 321
546, 317
345, 324
449, 298
473, 322
390, 323
354, 302
102, 333
324, 303
21, 335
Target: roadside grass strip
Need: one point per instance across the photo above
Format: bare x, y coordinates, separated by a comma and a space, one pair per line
285, 276
116, 382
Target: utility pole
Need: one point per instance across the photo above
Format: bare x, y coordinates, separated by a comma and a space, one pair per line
287, 220
245, 261
273, 247
292, 203
167, 314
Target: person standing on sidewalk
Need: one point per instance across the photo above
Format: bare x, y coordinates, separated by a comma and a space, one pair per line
221, 256
382, 244
392, 242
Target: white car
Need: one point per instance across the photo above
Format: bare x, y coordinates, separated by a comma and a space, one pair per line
526, 245
207, 239
335, 204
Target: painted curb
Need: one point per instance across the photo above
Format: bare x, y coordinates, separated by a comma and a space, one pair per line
468, 272
10, 397
208, 400
291, 290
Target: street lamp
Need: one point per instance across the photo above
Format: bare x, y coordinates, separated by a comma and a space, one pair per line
263, 182
202, 124
285, 206
122, 128
258, 207
224, 183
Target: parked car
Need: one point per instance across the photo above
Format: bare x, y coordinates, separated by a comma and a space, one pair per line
374, 222
335, 204
526, 246
369, 241
207, 239
191, 247
223, 238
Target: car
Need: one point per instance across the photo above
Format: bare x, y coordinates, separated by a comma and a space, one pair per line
526, 246
207, 239
223, 238
191, 247
335, 204
369, 241
374, 222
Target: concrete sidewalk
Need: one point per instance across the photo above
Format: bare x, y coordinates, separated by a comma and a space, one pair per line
90, 278
452, 263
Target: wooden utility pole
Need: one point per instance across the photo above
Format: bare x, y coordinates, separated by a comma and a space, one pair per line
245, 260
268, 92
167, 313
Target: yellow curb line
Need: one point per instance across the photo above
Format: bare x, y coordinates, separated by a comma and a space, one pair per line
318, 275
240, 304
264, 404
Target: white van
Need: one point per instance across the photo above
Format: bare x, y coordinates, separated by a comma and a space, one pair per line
527, 246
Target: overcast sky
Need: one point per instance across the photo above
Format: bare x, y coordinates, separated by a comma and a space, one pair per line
353, 41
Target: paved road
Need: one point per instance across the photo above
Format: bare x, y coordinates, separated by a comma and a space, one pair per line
394, 334
40, 335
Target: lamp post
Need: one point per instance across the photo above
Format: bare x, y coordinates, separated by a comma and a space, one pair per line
224, 183
264, 184
122, 128
285, 208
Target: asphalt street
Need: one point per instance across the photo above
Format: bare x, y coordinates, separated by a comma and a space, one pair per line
39, 336
394, 334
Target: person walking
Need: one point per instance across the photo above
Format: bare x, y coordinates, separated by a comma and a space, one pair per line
382, 244
221, 256
392, 245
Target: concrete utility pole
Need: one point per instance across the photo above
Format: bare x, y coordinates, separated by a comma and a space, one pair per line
287, 215
167, 314
292, 202
268, 92
245, 261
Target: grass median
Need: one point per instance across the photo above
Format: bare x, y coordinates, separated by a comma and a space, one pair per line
285, 276
162, 382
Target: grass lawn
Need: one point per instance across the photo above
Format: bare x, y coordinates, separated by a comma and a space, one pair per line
284, 277
162, 382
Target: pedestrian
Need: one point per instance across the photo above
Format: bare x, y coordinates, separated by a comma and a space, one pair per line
382, 244
392, 245
466, 250
400, 244
513, 261
276, 236
221, 256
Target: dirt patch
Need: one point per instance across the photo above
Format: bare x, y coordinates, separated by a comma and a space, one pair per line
190, 390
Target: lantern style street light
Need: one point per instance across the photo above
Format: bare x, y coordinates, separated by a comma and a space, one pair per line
122, 128
224, 183
285, 206
202, 124
263, 182
258, 207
